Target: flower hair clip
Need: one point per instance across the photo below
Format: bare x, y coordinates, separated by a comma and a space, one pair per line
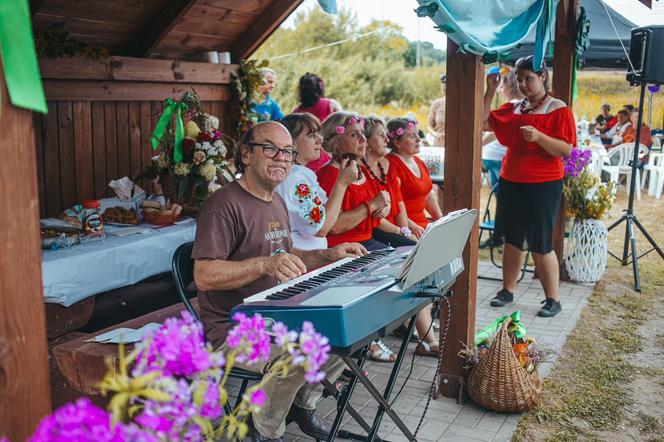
352, 120
396, 133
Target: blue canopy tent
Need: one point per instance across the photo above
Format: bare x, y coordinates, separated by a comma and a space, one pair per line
605, 50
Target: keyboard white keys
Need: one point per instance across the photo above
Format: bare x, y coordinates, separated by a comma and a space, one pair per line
261, 296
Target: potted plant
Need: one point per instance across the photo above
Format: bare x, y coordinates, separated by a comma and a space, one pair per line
587, 201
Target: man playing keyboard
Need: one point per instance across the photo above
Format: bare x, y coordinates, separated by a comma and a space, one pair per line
243, 247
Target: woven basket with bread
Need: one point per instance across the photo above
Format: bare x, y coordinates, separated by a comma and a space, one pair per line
155, 213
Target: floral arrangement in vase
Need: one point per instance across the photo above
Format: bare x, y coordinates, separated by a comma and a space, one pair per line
171, 386
192, 155
586, 197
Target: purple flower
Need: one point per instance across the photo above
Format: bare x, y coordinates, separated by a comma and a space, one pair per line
211, 407
249, 338
177, 348
82, 421
341, 130
173, 419
283, 336
216, 134
576, 162
258, 398
313, 353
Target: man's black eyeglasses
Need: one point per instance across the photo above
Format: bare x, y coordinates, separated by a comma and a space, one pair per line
271, 151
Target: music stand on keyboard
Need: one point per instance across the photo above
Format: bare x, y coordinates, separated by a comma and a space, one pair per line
431, 271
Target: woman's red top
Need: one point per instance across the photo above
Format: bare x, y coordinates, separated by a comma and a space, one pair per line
322, 109
392, 186
527, 162
356, 195
414, 190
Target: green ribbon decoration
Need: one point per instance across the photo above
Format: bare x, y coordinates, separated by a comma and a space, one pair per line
170, 106
18, 56
493, 328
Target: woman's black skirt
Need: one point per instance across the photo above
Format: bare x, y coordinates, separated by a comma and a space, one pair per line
526, 213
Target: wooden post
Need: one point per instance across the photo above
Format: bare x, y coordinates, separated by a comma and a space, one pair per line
463, 142
563, 71
24, 388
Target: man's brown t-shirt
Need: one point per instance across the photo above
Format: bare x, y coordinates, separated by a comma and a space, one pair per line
234, 225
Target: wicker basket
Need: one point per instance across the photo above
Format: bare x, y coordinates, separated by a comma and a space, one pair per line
499, 383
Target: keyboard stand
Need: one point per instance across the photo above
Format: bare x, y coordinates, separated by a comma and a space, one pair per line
382, 399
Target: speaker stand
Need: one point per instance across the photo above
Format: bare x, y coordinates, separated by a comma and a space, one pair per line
630, 217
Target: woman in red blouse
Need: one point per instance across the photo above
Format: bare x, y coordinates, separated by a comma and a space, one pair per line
364, 205
537, 132
393, 229
416, 185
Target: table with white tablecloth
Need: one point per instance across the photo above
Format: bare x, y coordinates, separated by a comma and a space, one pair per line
73, 274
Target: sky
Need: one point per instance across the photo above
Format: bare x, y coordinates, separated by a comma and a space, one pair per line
414, 28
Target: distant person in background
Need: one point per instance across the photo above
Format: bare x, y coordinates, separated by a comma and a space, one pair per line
416, 185
614, 136
267, 109
311, 95
436, 118
630, 132
603, 118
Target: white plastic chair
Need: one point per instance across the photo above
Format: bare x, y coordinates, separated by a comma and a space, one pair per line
618, 163
650, 170
656, 184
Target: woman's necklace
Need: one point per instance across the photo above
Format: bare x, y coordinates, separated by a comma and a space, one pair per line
533, 107
383, 178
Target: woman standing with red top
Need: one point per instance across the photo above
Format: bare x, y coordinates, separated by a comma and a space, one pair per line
363, 205
393, 229
416, 185
537, 132
311, 93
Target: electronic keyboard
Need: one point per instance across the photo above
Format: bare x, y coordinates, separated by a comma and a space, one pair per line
351, 301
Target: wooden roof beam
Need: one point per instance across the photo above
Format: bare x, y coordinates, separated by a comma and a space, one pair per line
160, 26
262, 28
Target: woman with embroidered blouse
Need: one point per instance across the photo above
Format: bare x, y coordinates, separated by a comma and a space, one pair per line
364, 205
537, 133
393, 229
311, 212
416, 185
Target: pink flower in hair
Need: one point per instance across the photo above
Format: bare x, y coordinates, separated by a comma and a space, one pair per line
341, 129
400, 131
411, 125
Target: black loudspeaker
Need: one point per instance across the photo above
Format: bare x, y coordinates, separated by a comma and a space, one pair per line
646, 51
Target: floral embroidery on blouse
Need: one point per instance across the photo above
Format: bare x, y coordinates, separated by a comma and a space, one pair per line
311, 206
303, 191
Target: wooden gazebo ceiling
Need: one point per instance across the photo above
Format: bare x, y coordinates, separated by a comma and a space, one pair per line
182, 29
